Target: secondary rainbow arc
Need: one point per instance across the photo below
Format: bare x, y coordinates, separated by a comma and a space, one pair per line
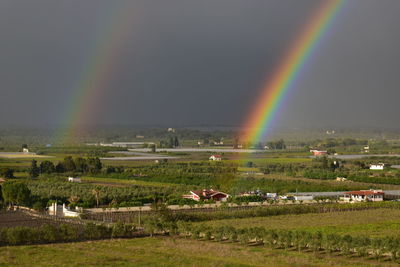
94, 80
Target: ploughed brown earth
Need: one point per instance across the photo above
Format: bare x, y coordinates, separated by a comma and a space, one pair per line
19, 218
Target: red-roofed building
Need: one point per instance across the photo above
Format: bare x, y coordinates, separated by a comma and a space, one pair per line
364, 195
318, 152
216, 157
206, 194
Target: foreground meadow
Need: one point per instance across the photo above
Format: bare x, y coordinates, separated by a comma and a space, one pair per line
166, 251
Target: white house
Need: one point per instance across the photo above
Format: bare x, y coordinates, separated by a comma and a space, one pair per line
379, 166
303, 198
216, 157
364, 195
74, 179
63, 211
25, 151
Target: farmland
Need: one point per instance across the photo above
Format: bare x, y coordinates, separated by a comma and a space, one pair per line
19, 218
379, 222
167, 252
201, 235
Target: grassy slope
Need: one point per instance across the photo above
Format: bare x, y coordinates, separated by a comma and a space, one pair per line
165, 252
368, 222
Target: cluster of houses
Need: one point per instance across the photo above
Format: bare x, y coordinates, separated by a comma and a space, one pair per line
363, 195
351, 196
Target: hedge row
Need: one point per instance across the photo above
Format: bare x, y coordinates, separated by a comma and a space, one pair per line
22, 235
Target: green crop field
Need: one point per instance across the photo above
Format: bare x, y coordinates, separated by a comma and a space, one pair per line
379, 222
166, 252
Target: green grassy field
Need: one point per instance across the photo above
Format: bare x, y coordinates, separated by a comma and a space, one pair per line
379, 222
167, 252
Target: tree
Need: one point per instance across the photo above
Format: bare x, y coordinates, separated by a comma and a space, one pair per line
171, 142
47, 167
60, 167
34, 170
96, 192
236, 143
7, 173
153, 148
73, 200
94, 165
69, 164
81, 165
176, 141
16, 193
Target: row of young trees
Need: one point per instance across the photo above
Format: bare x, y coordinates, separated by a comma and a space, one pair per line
362, 246
22, 235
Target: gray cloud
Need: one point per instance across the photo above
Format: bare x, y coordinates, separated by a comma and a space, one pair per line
199, 62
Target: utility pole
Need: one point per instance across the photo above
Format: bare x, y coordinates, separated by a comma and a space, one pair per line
140, 209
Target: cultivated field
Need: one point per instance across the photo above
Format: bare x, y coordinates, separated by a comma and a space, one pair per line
374, 223
15, 155
168, 252
19, 218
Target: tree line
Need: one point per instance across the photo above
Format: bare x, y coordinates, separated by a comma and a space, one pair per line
47, 233
68, 165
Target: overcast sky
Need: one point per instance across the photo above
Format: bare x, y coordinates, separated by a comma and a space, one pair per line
191, 62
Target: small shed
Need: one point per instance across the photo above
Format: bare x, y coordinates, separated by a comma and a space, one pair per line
216, 157
379, 166
74, 179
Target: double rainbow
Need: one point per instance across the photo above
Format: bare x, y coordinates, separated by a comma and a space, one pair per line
284, 77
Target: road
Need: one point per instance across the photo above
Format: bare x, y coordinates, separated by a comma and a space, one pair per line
138, 156
193, 149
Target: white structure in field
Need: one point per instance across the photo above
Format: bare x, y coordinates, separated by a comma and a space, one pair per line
74, 179
379, 166
364, 195
62, 211
303, 198
216, 157
25, 151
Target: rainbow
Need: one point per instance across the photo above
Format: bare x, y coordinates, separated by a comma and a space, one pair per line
98, 70
284, 77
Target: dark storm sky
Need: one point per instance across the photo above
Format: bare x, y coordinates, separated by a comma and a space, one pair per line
187, 62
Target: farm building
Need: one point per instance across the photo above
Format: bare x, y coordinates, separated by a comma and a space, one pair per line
206, 194
63, 211
379, 166
216, 157
364, 195
303, 198
74, 179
